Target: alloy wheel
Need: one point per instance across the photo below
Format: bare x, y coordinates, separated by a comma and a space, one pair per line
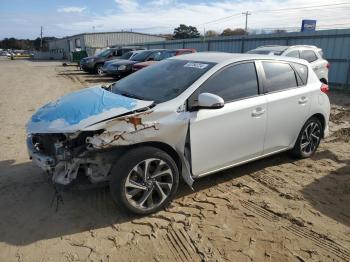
149, 184
99, 70
310, 138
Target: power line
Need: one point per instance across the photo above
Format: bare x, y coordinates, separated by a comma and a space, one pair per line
277, 10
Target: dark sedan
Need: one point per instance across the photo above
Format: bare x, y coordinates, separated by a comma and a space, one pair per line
122, 68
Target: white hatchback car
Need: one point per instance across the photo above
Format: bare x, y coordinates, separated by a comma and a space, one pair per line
310, 53
188, 116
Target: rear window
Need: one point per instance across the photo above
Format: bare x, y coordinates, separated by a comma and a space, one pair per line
294, 53
279, 76
308, 55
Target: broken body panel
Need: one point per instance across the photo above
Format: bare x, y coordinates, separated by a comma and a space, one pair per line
87, 130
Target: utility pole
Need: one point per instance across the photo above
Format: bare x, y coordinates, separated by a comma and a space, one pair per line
41, 38
246, 20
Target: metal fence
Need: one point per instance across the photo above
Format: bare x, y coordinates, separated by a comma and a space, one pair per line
335, 45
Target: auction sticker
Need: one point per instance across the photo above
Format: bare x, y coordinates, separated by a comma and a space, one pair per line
196, 65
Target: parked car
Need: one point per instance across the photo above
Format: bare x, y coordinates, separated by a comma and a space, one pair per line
94, 64
312, 54
163, 56
123, 68
187, 116
127, 56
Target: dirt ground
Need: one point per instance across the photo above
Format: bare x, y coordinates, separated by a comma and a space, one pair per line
275, 209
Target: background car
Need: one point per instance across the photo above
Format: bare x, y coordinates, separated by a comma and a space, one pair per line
127, 56
310, 53
94, 64
122, 68
162, 56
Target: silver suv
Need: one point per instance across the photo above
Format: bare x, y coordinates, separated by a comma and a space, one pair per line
188, 116
310, 53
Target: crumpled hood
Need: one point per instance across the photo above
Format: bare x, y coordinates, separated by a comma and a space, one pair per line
80, 109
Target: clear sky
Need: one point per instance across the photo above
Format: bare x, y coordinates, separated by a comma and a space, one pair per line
23, 18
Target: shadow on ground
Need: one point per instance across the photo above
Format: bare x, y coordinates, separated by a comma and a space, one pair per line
27, 213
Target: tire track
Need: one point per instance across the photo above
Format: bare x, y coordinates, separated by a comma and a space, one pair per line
320, 240
290, 225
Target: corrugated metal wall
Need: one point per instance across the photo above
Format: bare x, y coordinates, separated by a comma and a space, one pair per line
102, 40
92, 41
335, 45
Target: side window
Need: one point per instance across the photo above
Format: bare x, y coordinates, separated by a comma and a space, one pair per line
279, 76
302, 72
308, 55
154, 55
294, 53
232, 83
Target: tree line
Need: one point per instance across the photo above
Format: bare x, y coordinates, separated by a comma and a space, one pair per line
25, 44
184, 31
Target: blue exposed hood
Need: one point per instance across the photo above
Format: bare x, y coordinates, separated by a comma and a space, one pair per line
80, 109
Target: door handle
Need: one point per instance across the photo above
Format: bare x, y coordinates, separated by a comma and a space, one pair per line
303, 100
258, 112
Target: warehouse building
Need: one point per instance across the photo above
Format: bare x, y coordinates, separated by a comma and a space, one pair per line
91, 42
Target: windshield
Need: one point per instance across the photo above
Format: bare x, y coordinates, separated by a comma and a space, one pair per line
105, 53
127, 55
264, 52
163, 81
140, 57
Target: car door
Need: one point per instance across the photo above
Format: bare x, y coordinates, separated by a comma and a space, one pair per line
223, 137
288, 103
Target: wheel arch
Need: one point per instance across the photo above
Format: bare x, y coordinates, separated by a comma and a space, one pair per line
162, 146
324, 81
322, 119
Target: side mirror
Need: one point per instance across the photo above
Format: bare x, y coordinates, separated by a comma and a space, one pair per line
150, 59
210, 101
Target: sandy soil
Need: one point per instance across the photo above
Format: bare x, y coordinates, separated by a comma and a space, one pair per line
276, 209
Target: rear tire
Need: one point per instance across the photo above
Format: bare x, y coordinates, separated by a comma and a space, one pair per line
309, 138
144, 180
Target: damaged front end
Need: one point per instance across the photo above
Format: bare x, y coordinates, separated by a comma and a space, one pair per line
85, 133
63, 156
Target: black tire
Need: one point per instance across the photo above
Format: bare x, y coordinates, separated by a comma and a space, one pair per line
98, 69
302, 151
123, 170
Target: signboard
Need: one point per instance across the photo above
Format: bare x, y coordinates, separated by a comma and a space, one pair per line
308, 25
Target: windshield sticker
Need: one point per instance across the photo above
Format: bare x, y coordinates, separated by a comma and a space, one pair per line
196, 65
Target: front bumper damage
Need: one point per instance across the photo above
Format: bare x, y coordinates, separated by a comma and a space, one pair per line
64, 164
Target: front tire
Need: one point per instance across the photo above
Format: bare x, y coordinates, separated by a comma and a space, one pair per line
308, 139
144, 180
98, 69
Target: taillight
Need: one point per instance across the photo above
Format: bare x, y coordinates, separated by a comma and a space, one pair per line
324, 88
328, 65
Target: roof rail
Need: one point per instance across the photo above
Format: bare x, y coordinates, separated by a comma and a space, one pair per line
312, 46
